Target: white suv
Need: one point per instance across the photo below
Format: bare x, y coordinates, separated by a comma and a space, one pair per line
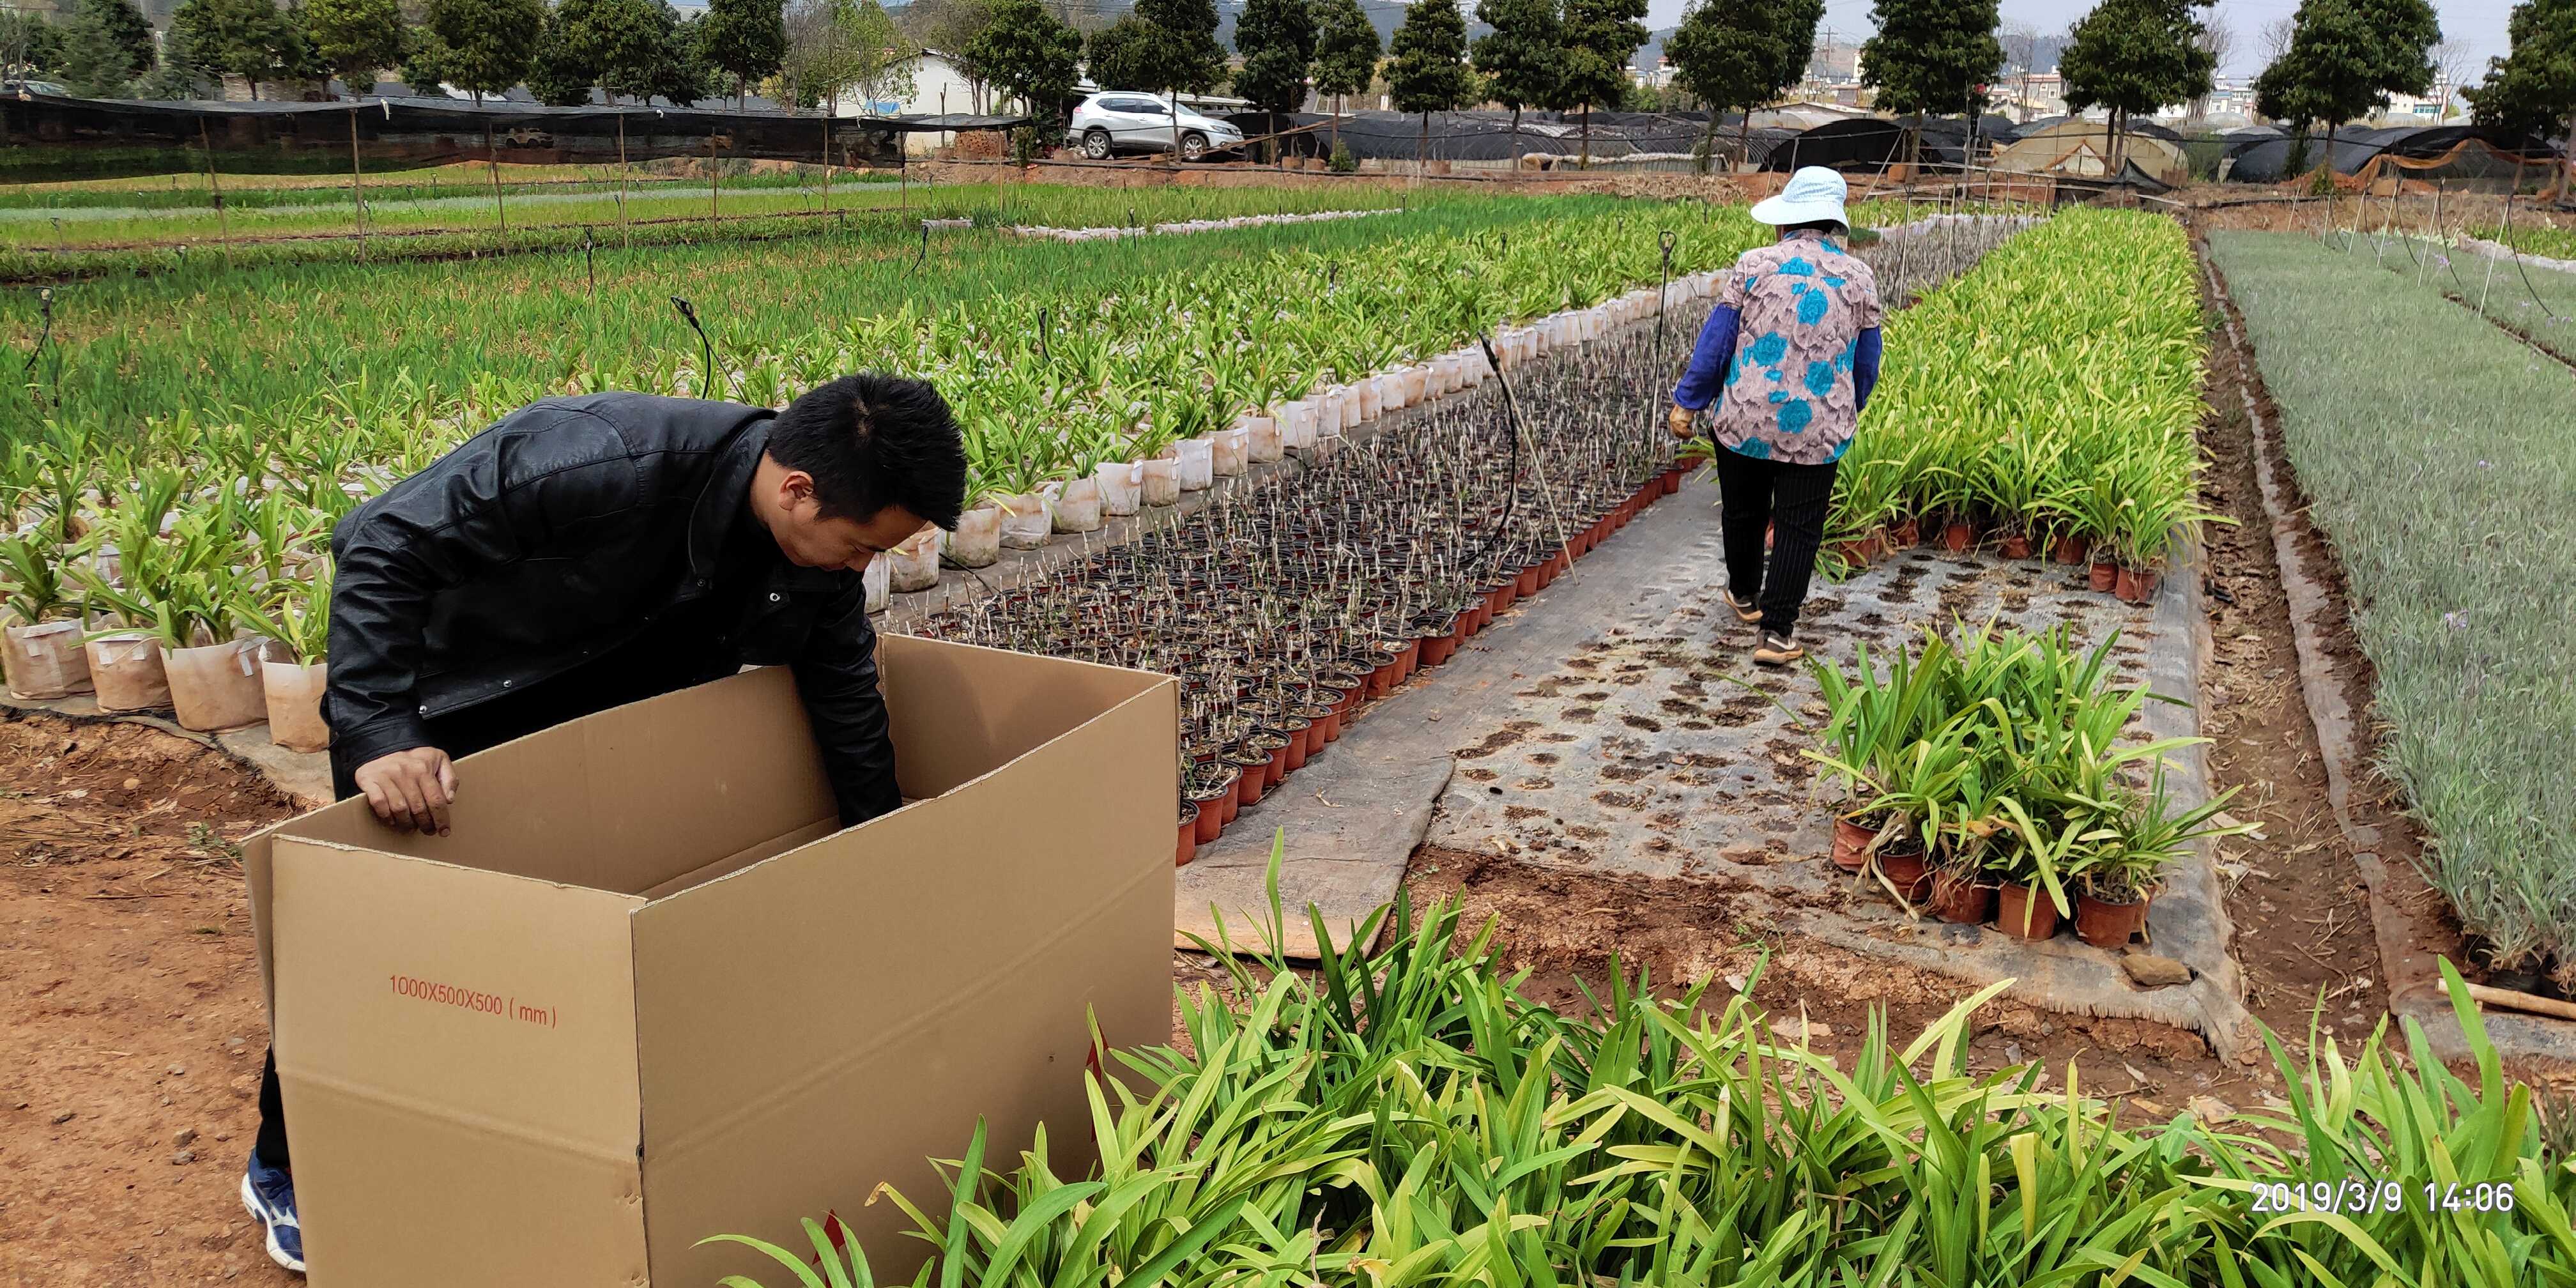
1115, 121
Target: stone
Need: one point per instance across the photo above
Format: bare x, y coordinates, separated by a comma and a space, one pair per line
183, 1158
63, 1117
184, 1136
178, 1071
2152, 971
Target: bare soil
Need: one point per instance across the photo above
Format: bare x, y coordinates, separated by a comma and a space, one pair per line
130, 1051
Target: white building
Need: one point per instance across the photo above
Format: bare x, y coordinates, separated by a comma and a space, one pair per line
928, 84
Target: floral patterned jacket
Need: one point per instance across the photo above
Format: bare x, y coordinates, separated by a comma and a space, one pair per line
1791, 353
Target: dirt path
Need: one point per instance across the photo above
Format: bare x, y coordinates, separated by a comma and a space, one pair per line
129, 1055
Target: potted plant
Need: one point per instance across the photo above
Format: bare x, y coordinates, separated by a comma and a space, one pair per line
977, 540
296, 619
2148, 836
42, 653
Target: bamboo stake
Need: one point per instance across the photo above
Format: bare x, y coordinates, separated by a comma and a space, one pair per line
622, 235
492, 161
357, 182
223, 224
2529, 1003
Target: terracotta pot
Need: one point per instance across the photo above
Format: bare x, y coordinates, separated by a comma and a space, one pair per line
1907, 872
2016, 545
2104, 924
2136, 587
1673, 479
1382, 680
1961, 900
2103, 575
1849, 838
1855, 553
2070, 548
1278, 769
294, 695
1408, 661
45, 660
1210, 817
127, 672
1438, 649
1906, 535
1958, 536
1187, 845
1255, 780
216, 686
1293, 756
2025, 912
977, 542
1527, 582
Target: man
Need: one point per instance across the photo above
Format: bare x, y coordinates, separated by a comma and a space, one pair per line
1787, 400
588, 552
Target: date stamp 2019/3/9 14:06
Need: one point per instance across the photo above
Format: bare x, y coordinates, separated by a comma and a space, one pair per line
2357, 1196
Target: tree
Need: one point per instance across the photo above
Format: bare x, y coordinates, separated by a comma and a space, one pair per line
1173, 48
355, 39
1930, 56
744, 38
681, 74
1029, 54
563, 68
2344, 59
1277, 41
2134, 56
253, 39
1601, 36
840, 46
1346, 53
106, 44
29, 46
1122, 54
2533, 89
1741, 56
2218, 38
1428, 69
479, 46
1522, 58
950, 26
178, 75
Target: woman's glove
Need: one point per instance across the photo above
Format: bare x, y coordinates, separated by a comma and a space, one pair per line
1680, 421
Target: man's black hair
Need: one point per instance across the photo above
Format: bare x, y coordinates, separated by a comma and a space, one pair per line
871, 441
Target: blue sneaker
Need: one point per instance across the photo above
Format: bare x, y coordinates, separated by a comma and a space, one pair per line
269, 1193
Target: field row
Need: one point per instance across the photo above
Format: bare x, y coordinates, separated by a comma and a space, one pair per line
2452, 518
93, 235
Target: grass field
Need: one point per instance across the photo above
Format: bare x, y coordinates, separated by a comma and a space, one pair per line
2434, 450
244, 343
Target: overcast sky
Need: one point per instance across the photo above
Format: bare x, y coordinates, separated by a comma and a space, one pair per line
2479, 24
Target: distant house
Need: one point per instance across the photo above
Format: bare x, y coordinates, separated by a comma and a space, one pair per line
936, 88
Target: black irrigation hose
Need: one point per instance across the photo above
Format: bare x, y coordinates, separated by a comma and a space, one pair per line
706, 347
1511, 475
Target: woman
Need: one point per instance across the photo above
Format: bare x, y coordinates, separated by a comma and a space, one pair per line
1788, 358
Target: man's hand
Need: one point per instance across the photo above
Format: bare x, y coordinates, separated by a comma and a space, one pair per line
1680, 421
410, 790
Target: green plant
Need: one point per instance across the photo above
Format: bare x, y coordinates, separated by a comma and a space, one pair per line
1341, 161
1402, 1115
296, 614
32, 581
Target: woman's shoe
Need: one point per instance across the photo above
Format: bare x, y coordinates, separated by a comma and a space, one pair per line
1744, 612
1777, 650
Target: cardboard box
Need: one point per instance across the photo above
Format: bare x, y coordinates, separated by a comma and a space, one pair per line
648, 992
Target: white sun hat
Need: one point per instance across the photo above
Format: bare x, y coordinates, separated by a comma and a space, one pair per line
1813, 193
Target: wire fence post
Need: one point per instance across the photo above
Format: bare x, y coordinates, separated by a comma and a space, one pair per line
223, 224
492, 162
357, 182
622, 235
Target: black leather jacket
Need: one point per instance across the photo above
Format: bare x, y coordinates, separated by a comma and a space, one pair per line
561, 532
